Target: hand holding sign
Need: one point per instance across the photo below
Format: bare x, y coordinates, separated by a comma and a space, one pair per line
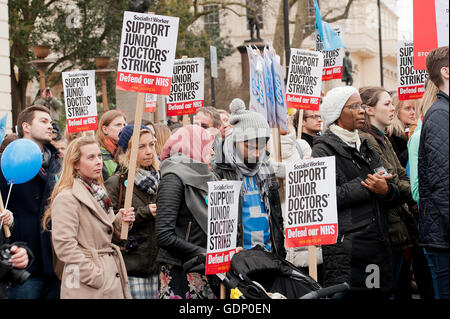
147, 53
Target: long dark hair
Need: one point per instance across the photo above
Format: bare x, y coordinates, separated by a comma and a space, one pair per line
370, 95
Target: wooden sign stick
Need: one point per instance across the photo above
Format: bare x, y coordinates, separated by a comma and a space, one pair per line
133, 159
186, 120
312, 262
6, 230
299, 124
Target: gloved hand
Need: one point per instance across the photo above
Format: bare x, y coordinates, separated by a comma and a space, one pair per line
196, 264
279, 168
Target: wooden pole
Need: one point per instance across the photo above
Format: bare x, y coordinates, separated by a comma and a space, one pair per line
6, 229
312, 262
133, 159
104, 93
186, 120
300, 124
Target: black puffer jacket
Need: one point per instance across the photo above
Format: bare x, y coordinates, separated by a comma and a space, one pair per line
363, 238
433, 176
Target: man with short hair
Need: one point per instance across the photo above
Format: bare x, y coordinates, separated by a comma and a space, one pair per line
311, 125
433, 162
208, 118
28, 202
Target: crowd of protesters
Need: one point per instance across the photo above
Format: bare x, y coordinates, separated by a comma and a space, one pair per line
391, 186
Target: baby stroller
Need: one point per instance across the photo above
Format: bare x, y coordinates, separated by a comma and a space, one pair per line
258, 274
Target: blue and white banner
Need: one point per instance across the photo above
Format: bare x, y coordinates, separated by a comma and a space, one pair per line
3, 127
279, 90
330, 39
270, 93
257, 90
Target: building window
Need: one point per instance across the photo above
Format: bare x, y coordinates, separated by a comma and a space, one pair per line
258, 6
212, 20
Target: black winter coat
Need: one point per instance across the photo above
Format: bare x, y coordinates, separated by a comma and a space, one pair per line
433, 176
28, 202
363, 238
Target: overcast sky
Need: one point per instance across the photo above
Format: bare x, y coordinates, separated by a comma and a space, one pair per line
405, 21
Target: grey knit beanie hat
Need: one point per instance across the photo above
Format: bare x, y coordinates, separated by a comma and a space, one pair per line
247, 125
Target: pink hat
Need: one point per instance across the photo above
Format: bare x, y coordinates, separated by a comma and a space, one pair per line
192, 141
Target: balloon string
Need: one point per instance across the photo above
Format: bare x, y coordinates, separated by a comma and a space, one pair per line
9, 193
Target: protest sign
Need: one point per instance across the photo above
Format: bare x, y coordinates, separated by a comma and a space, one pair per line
223, 207
3, 127
257, 90
311, 209
187, 89
147, 53
430, 28
411, 82
150, 102
305, 80
80, 100
268, 87
280, 93
213, 59
332, 60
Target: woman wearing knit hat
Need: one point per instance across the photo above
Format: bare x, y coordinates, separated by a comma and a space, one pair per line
140, 249
242, 156
362, 255
182, 212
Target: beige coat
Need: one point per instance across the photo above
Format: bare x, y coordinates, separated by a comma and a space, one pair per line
82, 235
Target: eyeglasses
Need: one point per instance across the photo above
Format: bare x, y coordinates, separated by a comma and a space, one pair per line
356, 106
314, 117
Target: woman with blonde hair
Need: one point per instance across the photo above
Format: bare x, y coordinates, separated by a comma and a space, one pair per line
162, 134
398, 131
140, 249
84, 227
109, 127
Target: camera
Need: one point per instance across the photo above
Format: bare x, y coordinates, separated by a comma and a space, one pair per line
8, 273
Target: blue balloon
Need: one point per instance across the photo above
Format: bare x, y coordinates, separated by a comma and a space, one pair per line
21, 161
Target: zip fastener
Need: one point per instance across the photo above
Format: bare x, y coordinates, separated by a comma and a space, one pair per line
188, 231
354, 162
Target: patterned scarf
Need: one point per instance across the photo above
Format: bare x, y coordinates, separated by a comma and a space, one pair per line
98, 192
147, 180
261, 171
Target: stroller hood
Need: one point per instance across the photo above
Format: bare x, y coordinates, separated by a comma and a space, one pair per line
275, 274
